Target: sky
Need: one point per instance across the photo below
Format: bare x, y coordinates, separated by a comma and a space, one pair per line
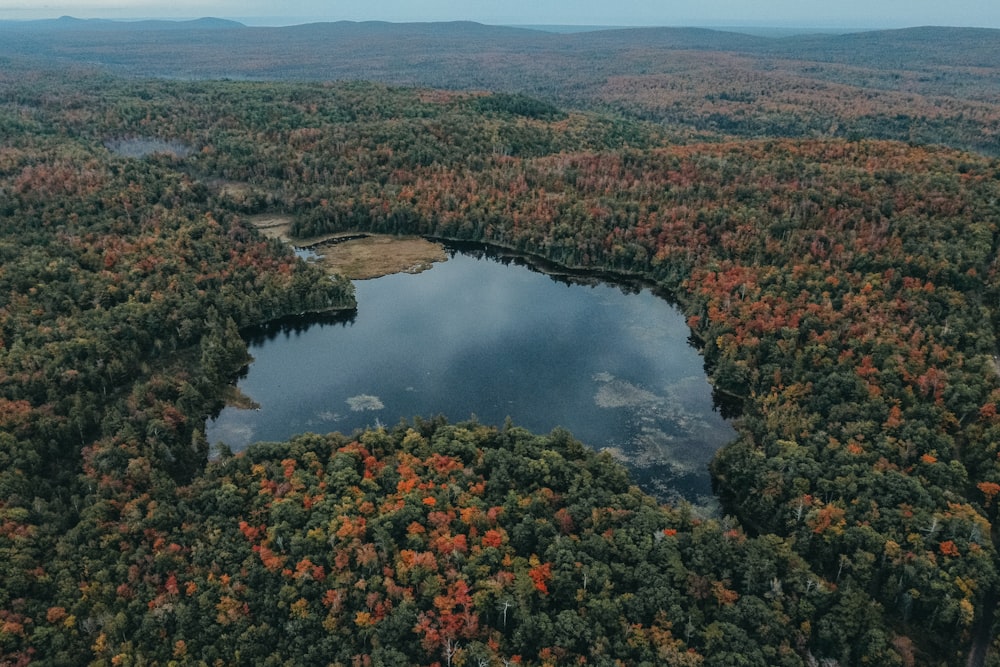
777, 13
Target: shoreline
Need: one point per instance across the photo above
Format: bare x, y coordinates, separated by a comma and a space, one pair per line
356, 254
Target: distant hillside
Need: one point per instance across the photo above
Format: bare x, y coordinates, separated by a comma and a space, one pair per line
909, 48
69, 23
924, 85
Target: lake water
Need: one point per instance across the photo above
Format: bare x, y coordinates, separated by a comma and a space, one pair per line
477, 336
140, 147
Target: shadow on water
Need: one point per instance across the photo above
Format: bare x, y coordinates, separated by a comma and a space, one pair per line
558, 273
294, 325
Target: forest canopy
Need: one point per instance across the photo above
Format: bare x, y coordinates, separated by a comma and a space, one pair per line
842, 290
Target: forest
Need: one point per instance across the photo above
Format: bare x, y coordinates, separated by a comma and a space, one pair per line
923, 85
842, 287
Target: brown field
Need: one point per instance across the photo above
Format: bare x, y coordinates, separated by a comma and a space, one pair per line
273, 226
379, 255
360, 259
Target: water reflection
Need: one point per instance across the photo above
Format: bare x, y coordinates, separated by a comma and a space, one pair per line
140, 147
489, 335
297, 324
559, 274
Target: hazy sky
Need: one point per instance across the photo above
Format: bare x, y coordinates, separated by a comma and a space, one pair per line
797, 13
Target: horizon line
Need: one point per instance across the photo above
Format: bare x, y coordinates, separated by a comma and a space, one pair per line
720, 25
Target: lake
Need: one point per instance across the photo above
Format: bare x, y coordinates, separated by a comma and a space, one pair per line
484, 337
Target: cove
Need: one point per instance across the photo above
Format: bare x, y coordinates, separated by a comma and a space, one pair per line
487, 337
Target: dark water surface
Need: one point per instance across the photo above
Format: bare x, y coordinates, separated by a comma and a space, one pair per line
491, 339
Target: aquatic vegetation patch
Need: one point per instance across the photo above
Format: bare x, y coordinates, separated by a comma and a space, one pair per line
363, 402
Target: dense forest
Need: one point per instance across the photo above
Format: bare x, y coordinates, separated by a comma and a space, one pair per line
842, 290
923, 85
